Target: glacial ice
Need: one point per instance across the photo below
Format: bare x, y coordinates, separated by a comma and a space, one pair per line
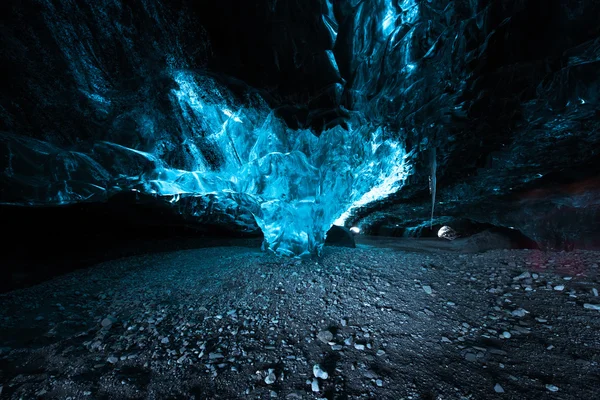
295, 184
214, 155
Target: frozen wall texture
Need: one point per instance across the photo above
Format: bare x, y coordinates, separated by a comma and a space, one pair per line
294, 115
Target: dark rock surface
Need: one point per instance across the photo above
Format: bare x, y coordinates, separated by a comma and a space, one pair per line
340, 236
369, 322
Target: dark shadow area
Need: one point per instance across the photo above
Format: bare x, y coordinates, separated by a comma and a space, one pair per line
43, 242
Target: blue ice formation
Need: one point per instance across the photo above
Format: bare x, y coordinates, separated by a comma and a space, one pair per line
295, 184
207, 144
301, 183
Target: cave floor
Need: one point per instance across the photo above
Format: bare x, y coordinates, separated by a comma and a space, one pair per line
232, 322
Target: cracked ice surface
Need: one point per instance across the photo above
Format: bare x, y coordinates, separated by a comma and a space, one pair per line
295, 184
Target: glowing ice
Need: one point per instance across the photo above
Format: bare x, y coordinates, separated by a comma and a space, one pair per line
295, 184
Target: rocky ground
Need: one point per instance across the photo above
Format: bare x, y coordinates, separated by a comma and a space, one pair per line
370, 322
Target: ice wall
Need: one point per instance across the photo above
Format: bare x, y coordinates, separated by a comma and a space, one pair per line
152, 121
294, 183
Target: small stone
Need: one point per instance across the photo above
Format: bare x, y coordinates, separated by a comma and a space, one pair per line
319, 373
591, 306
359, 346
445, 340
164, 340
428, 289
559, 287
380, 352
112, 360
315, 385
325, 336
498, 388
470, 357
215, 356
106, 323
519, 312
595, 292
506, 335
270, 378
524, 275
552, 388
379, 382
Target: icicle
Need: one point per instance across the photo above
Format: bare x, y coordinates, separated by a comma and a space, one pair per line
432, 183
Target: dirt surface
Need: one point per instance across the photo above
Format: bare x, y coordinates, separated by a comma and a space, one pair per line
377, 323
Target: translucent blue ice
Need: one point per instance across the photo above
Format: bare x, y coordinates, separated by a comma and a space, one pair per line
295, 184
236, 158
301, 183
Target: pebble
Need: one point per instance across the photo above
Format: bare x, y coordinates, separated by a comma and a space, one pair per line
379, 382
427, 289
552, 388
592, 306
270, 378
595, 292
559, 287
325, 336
106, 323
315, 385
319, 373
519, 312
506, 335
112, 360
359, 346
498, 388
524, 275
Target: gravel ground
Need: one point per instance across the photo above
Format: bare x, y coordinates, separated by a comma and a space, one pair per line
377, 323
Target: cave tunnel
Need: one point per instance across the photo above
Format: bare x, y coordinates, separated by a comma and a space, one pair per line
300, 199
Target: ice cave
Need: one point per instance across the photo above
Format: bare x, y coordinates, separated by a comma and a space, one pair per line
300, 199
